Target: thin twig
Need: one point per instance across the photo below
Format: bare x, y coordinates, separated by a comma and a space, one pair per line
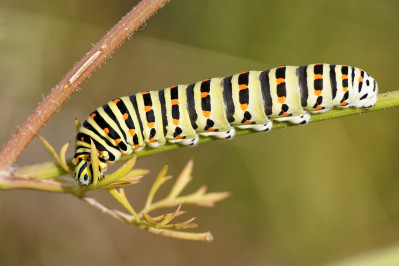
94, 203
68, 85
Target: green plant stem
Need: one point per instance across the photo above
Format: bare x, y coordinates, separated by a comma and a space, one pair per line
121, 198
180, 235
50, 170
14, 182
157, 184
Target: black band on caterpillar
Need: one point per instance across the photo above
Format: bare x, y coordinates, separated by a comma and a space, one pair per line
214, 107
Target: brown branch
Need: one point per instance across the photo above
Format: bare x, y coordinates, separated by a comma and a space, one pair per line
68, 85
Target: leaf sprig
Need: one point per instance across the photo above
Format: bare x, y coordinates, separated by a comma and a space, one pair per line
163, 224
125, 175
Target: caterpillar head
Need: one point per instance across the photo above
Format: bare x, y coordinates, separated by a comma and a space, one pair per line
84, 172
368, 91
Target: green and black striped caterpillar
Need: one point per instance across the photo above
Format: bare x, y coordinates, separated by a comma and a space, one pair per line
214, 107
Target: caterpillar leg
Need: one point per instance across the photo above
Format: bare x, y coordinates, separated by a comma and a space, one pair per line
186, 141
298, 119
155, 143
128, 150
191, 142
322, 110
258, 127
228, 134
139, 147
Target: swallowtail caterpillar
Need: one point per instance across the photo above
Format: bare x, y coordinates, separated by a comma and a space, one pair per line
215, 107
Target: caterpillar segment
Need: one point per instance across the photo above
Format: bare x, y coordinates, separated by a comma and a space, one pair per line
177, 123
215, 107
211, 118
246, 95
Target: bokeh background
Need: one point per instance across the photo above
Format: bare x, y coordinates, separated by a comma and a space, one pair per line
323, 194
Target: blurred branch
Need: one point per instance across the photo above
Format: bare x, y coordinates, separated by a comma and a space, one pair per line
53, 169
75, 77
378, 257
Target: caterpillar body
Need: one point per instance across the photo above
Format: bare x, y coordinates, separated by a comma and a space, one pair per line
214, 107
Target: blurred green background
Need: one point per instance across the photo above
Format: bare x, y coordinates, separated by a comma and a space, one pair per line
312, 195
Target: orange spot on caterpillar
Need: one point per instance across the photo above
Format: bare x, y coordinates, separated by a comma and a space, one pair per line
242, 87
318, 107
132, 132
206, 80
244, 72
116, 101
106, 130
207, 113
281, 67
137, 147
125, 116
92, 115
118, 141
83, 157
281, 99
360, 79
211, 129
152, 140
247, 122
344, 103
280, 81
244, 106
204, 94
147, 108
318, 76
82, 138
344, 76
179, 137
175, 102
151, 124
144, 92
345, 89
176, 122
318, 92
123, 153
285, 114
